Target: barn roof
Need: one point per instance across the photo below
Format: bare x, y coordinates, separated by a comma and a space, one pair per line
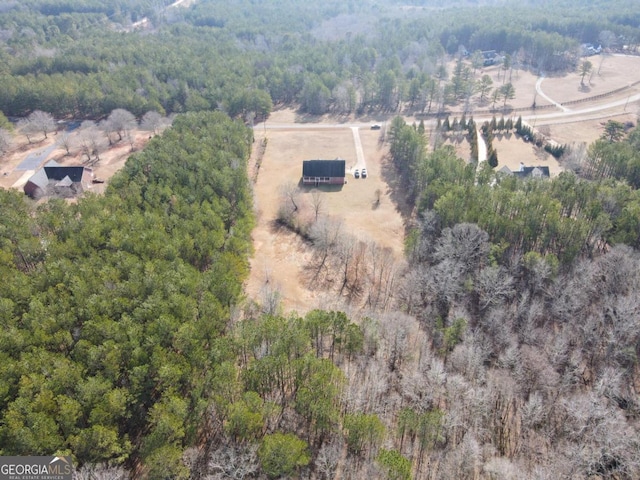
323, 168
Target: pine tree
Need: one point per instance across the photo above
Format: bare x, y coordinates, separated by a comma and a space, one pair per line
518, 125
493, 158
508, 124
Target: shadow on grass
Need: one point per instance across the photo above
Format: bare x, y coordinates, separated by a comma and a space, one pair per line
397, 191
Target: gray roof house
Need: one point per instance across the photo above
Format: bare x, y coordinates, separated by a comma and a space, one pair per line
527, 172
58, 181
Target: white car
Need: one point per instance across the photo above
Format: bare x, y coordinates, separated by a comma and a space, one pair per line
364, 173
356, 173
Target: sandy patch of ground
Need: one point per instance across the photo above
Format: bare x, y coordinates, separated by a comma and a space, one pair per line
280, 256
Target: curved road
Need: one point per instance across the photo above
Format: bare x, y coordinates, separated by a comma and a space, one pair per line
612, 108
550, 100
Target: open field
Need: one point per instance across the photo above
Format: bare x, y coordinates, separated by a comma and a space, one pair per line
281, 256
610, 73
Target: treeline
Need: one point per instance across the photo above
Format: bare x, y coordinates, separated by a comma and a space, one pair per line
92, 80
246, 58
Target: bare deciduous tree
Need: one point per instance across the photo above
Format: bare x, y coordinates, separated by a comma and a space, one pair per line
271, 299
109, 129
465, 244
501, 468
100, 472
324, 234
494, 286
37, 122
444, 283
120, 121
90, 140
382, 273
462, 461
27, 129
153, 122
65, 140
316, 202
345, 248
328, 457
5, 141
234, 462
290, 204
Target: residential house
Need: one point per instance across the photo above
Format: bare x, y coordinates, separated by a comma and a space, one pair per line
527, 172
316, 172
55, 180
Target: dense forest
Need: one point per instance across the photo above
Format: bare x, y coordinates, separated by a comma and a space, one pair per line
504, 347
81, 59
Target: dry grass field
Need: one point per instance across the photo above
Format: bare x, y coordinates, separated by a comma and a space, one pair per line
280, 256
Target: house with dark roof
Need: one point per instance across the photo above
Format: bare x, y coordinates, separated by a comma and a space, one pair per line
55, 180
316, 172
527, 172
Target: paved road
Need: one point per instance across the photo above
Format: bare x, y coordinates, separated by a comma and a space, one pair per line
35, 159
589, 113
543, 95
605, 110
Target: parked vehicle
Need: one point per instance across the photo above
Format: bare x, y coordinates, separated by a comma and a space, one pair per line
364, 173
356, 173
